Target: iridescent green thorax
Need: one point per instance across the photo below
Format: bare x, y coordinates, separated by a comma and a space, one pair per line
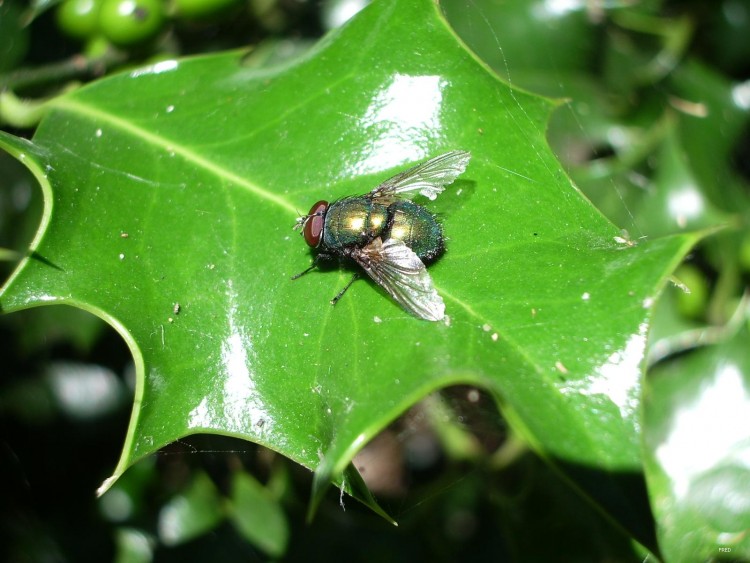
417, 228
356, 221
353, 221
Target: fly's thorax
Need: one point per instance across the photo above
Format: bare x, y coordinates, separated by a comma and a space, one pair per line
417, 228
353, 221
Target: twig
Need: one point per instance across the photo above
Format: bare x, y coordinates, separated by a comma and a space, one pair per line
75, 68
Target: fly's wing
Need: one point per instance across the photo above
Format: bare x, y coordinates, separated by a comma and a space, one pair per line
428, 178
396, 268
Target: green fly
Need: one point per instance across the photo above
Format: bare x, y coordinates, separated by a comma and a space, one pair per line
387, 235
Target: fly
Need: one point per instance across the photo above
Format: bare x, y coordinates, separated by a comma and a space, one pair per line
390, 237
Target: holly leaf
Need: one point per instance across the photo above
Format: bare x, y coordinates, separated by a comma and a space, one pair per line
170, 195
697, 438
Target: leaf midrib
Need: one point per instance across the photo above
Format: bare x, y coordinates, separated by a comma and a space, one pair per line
96, 114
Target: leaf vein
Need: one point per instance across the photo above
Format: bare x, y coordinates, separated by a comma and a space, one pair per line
173, 147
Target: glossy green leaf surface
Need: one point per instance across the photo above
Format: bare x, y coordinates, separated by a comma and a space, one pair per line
697, 436
499, 33
170, 196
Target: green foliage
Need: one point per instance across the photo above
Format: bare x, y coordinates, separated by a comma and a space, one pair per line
170, 192
193, 9
696, 435
654, 138
198, 205
190, 514
15, 41
258, 516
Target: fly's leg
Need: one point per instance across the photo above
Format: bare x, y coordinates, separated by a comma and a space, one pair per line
340, 293
312, 267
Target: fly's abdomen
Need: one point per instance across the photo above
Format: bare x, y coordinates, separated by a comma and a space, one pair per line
353, 221
417, 228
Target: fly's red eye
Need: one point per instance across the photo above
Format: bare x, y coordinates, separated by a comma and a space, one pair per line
314, 226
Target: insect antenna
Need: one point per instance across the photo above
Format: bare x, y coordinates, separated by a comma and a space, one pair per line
300, 222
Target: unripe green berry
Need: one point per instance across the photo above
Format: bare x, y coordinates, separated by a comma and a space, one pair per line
129, 22
79, 18
693, 304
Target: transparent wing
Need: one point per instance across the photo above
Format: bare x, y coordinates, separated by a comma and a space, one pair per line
428, 178
396, 268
